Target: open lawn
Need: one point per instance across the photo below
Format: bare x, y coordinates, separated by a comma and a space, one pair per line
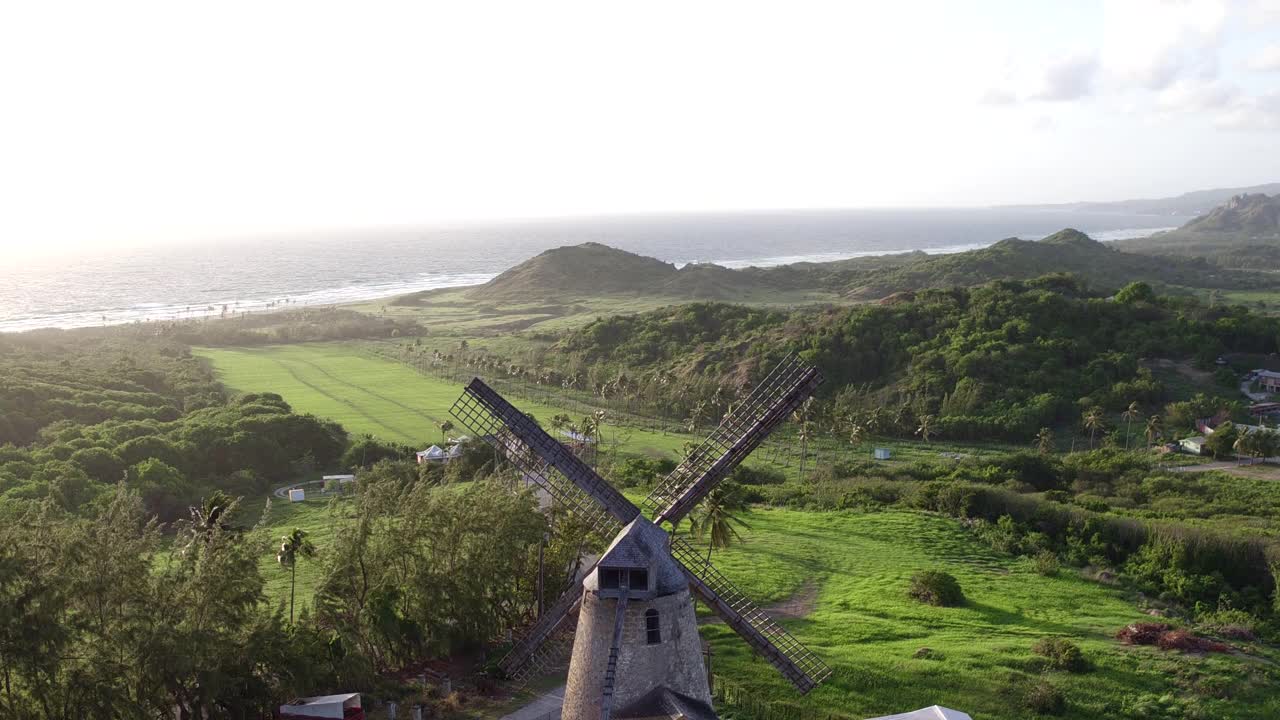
377, 396
870, 632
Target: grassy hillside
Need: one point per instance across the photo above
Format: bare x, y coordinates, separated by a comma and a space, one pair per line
1243, 233
585, 272
870, 632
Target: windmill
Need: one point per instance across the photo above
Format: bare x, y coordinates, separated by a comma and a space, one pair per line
635, 651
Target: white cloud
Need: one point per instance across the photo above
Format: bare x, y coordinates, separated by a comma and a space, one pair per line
1154, 43
1067, 78
998, 96
1197, 95
1253, 113
1267, 59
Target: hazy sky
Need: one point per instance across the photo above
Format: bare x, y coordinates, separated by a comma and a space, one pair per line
126, 122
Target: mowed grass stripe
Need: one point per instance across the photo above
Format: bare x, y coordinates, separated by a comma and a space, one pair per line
377, 396
345, 399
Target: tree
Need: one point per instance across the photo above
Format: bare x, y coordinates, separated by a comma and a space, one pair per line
1155, 429
1044, 441
927, 426
445, 427
209, 519
293, 546
1130, 414
857, 433
715, 520
1093, 421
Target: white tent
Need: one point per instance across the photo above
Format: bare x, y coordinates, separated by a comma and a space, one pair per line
936, 712
324, 706
430, 454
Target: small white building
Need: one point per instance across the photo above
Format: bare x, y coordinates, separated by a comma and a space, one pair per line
882, 453
297, 494
342, 479
1193, 445
345, 706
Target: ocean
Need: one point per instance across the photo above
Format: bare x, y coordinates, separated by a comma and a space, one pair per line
175, 281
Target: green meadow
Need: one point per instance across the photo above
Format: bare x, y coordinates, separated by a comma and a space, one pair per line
870, 632
381, 397
865, 627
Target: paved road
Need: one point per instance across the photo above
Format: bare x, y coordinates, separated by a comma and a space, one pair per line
1256, 397
1221, 465
544, 707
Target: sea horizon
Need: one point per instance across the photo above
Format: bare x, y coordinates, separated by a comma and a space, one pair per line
192, 281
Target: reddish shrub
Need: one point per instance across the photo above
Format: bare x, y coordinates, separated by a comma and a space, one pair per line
1142, 633
1167, 638
1187, 642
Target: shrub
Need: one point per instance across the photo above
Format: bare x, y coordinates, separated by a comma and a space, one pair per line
1042, 698
936, 588
1166, 638
1061, 654
1047, 563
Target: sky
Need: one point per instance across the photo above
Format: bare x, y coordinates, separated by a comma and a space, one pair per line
128, 123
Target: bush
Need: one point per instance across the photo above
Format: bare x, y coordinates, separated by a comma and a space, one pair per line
1166, 638
1042, 698
1047, 563
936, 588
1061, 654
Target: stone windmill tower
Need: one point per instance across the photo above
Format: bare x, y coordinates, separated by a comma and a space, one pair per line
636, 650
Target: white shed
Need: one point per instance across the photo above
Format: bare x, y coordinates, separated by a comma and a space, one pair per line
935, 712
297, 495
882, 453
343, 479
1193, 445
345, 706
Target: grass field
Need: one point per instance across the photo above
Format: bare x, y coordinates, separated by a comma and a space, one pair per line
869, 631
371, 395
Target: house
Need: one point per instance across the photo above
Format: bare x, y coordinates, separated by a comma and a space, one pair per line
1193, 445
1268, 380
1264, 409
297, 495
346, 706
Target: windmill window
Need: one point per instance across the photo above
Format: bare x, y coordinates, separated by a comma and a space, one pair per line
639, 580
652, 627
610, 578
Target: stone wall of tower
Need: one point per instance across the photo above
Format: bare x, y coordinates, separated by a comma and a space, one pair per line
675, 663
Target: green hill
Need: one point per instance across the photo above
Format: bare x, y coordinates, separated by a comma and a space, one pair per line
1242, 233
595, 270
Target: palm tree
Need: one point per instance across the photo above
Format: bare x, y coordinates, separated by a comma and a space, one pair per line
1130, 414
445, 427
1155, 428
1044, 441
857, 432
927, 426
1093, 421
292, 546
207, 520
715, 520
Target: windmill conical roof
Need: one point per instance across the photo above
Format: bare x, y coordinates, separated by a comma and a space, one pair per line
641, 544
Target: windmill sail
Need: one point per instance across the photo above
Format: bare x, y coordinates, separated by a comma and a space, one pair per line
530, 448
538, 648
772, 402
797, 663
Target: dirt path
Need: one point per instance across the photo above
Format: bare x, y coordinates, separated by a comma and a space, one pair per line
800, 604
